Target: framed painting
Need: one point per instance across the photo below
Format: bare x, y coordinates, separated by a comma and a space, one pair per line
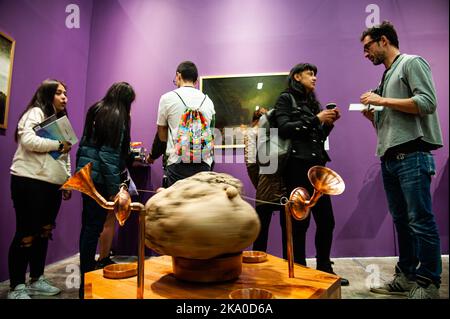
236, 97
7, 45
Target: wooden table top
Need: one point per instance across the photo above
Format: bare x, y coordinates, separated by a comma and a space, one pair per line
272, 275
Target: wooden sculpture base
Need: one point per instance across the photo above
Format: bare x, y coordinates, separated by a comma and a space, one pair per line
217, 269
271, 275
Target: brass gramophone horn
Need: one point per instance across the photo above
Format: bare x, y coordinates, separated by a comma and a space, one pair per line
122, 206
299, 203
123, 209
324, 181
81, 181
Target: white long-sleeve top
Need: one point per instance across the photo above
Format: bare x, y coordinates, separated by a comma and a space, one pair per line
32, 159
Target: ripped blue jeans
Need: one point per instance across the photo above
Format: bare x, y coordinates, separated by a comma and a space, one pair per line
407, 182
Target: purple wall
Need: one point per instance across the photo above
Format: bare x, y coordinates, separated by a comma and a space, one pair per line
44, 48
142, 41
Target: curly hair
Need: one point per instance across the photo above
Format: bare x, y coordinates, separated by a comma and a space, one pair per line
385, 28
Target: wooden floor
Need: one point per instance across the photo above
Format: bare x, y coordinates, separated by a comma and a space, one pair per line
358, 270
271, 275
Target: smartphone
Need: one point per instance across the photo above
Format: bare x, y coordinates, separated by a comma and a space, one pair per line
330, 106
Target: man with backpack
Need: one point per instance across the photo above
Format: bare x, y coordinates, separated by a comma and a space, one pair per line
186, 122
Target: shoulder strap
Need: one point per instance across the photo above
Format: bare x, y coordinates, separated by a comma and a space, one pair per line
202, 102
402, 58
180, 98
185, 103
294, 104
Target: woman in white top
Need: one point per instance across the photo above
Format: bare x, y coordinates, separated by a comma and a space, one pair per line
36, 177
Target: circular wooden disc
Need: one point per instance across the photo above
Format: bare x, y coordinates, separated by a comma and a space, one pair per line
251, 293
119, 271
253, 256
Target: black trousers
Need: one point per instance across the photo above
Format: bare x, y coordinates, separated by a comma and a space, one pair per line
296, 174
36, 204
178, 171
92, 221
265, 212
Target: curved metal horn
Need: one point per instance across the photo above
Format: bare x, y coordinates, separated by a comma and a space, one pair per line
325, 181
81, 181
299, 203
122, 209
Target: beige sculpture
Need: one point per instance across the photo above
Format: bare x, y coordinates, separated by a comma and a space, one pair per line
200, 217
202, 221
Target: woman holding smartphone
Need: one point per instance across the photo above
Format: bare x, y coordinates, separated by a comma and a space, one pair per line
307, 125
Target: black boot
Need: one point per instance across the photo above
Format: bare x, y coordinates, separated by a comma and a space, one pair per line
101, 263
326, 267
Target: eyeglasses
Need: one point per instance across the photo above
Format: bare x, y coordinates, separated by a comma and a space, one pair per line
368, 44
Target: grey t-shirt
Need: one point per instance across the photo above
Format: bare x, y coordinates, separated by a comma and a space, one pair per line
408, 77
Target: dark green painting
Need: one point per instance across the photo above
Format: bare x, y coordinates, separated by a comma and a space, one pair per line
236, 97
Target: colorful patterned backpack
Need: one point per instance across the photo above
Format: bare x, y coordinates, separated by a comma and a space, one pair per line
194, 141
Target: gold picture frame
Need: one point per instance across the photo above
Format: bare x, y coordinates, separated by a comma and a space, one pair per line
7, 46
236, 97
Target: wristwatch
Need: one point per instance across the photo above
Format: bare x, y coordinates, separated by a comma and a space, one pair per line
61, 146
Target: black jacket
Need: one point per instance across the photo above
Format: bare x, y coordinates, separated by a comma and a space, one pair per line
302, 126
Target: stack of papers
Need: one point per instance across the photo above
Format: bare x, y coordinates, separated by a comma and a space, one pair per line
360, 107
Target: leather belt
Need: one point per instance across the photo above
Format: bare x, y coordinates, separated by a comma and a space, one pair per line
398, 156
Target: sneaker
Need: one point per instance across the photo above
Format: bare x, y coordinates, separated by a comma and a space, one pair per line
326, 267
400, 285
42, 287
104, 262
19, 292
419, 292
424, 289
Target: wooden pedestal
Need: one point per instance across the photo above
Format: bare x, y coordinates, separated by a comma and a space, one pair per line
271, 275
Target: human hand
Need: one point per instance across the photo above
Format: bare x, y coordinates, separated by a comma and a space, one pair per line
149, 159
337, 113
327, 116
66, 194
371, 98
67, 146
368, 114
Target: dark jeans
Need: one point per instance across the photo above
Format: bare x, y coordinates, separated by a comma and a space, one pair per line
92, 221
36, 204
407, 185
178, 171
264, 212
296, 175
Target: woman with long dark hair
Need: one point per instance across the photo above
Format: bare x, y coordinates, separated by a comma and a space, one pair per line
308, 126
36, 178
105, 144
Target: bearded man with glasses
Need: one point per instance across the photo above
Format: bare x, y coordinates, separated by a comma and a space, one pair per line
407, 131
